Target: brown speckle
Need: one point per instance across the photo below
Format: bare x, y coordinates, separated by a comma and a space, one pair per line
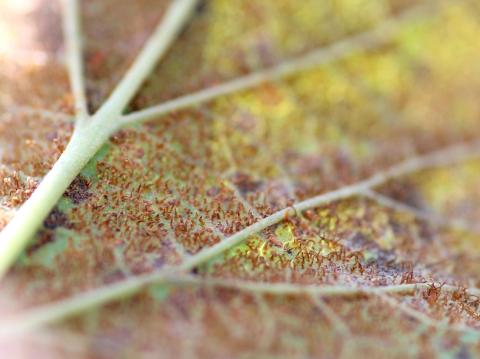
56, 219
78, 190
245, 183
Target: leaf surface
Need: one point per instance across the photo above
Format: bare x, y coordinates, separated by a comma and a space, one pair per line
158, 193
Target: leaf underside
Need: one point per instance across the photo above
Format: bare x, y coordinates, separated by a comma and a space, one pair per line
160, 192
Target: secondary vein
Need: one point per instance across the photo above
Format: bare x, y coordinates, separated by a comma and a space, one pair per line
77, 304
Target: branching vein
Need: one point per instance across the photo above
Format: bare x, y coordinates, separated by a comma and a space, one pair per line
60, 310
88, 139
361, 42
82, 302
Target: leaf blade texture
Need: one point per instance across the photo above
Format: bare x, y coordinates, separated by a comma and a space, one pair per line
402, 114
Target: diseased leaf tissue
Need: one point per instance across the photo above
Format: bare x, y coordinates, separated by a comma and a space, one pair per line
347, 182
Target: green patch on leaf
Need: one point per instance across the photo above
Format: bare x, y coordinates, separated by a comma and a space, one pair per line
90, 170
159, 292
47, 254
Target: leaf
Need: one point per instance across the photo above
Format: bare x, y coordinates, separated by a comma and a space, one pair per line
331, 212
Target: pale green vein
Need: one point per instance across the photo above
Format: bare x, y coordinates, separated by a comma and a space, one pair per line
82, 302
88, 138
365, 41
73, 42
60, 310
